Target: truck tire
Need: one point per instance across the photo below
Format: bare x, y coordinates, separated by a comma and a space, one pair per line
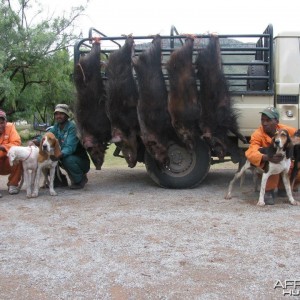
257, 84
187, 168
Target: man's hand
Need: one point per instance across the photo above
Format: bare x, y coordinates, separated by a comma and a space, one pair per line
276, 158
54, 158
33, 143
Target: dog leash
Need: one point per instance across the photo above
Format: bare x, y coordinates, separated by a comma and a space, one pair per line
28, 155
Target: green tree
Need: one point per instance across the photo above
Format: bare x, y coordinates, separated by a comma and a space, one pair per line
35, 64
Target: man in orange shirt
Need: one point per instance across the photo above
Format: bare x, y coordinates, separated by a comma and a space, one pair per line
9, 137
262, 137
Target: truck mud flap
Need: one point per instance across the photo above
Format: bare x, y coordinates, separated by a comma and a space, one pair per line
187, 168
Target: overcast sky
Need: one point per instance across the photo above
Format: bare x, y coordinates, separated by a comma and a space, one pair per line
140, 17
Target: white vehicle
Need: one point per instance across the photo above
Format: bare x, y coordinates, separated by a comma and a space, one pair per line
278, 68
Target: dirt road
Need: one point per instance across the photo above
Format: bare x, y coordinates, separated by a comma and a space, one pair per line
125, 238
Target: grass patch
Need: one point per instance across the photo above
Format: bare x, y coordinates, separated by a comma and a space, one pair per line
112, 161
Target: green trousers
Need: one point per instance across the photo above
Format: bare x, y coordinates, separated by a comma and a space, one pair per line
76, 167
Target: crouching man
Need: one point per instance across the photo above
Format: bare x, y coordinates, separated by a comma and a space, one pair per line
74, 158
262, 137
9, 137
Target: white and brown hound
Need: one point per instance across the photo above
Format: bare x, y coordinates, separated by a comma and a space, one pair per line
281, 144
28, 156
49, 146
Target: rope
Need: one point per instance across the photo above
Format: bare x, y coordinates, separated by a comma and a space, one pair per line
29, 154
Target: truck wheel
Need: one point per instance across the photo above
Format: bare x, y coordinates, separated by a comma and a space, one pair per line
187, 168
257, 84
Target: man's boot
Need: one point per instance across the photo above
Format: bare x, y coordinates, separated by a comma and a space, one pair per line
269, 197
60, 179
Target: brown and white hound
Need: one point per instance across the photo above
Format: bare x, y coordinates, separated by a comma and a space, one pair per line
281, 144
49, 146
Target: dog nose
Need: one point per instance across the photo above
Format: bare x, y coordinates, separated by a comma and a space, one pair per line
277, 142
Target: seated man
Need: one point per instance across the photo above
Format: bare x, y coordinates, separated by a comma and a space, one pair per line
9, 137
74, 158
262, 137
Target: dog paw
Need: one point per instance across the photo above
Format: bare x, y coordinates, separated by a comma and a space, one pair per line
53, 193
34, 195
296, 203
261, 203
228, 197
28, 196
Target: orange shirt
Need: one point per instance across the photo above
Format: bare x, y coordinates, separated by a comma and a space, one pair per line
260, 139
10, 137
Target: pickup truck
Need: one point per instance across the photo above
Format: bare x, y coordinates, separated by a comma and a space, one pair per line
261, 71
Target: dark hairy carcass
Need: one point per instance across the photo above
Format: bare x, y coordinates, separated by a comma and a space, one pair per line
122, 99
218, 117
154, 119
183, 104
93, 124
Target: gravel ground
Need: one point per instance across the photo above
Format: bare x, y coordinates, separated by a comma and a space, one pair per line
123, 237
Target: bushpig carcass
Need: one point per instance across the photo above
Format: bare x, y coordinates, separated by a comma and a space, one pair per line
92, 121
183, 104
218, 117
122, 98
154, 119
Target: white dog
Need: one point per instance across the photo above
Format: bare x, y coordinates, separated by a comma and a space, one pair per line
28, 156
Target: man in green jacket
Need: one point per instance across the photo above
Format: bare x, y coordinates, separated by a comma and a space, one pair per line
74, 158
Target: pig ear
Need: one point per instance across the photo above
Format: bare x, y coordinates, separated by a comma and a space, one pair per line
79, 74
134, 60
103, 63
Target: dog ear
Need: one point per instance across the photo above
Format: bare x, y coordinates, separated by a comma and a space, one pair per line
266, 167
289, 148
263, 150
41, 144
271, 150
57, 151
